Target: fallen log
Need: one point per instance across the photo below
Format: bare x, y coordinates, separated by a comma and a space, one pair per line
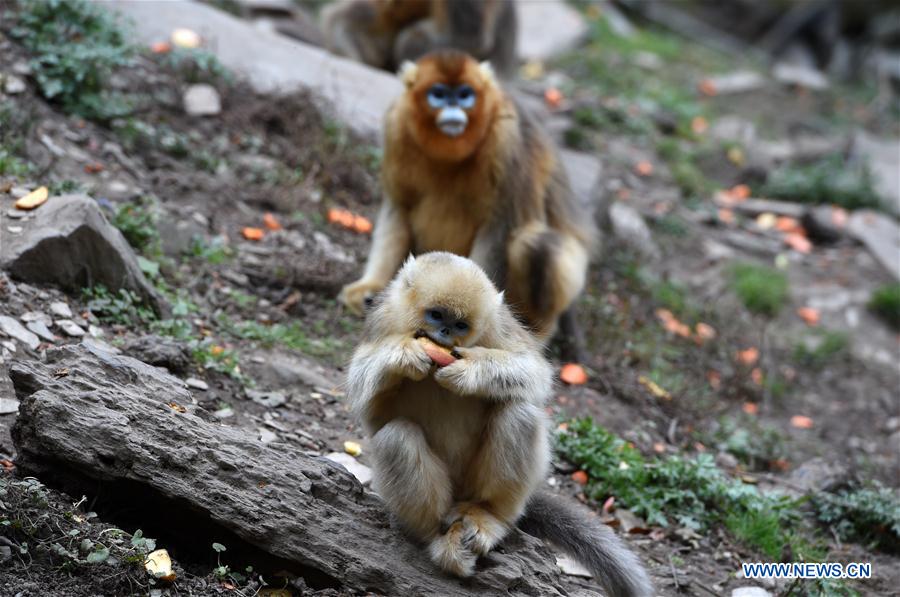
114, 421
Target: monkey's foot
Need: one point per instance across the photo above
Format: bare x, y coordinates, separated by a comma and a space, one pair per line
358, 297
449, 550
485, 529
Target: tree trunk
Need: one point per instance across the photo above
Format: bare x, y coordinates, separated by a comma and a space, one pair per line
104, 419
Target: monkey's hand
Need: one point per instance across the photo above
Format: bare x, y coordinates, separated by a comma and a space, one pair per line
497, 374
357, 297
409, 359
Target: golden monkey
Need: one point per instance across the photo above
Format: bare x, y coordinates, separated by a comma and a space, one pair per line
459, 450
466, 171
384, 33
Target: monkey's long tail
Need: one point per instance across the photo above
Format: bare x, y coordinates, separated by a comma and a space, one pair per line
589, 541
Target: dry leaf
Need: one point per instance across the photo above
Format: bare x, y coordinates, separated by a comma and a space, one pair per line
573, 374
177, 407
748, 356
644, 168
780, 464
801, 422
93, 168
654, 388
580, 477
253, 233
352, 448
33, 199
271, 222
809, 315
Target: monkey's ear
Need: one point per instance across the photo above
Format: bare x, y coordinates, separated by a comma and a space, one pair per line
487, 71
500, 296
408, 72
406, 269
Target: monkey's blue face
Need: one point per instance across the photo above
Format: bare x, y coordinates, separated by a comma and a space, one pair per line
451, 103
443, 327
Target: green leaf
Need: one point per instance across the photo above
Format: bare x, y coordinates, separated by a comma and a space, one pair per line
98, 556
150, 268
218, 547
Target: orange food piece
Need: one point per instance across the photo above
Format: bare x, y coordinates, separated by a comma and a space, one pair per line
726, 215
751, 408
787, 224
33, 199
216, 350
798, 242
644, 168
580, 477
705, 331
271, 222
809, 315
161, 47
748, 356
801, 422
839, 216
757, 376
740, 192
253, 233
573, 374
93, 168
437, 353
362, 224
707, 87
553, 97
699, 125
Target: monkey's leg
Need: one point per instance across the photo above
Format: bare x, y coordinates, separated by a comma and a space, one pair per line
391, 243
507, 469
571, 338
547, 270
415, 484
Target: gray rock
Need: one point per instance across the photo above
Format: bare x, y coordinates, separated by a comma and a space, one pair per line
14, 329
61, 309
70, 328
69, 243
41, 329
750, 592
19, 192
548, 28
30, 316
267, 399
362, 473
628, 226
880, 234
16, 214
882, 155
202, 99
817, 475
177, 235
819, 224
160, 351
740, 81
13, 85
800, 75
197, 384
266, 436
287, 370
8, 406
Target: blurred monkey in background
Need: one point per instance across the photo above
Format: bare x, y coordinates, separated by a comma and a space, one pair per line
384, 33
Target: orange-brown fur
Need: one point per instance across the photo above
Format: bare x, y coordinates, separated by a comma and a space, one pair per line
496, 193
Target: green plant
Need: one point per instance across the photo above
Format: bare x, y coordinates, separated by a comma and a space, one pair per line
753, 444
196, 65
763, 290
885, 302
137, 223
123, 307
869, 515
217, 358
820, 348
292, 336
214, 251
829, 180
75, 46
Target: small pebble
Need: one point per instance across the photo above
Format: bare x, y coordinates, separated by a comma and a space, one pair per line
36, 316
39, 328
70, 328
95, 331
19, 192
16, 214
15, 229
197, 384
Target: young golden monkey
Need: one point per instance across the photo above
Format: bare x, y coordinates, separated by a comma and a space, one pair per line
466, 171
459, 450
384, 33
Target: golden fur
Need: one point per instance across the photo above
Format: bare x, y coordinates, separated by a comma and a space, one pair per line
496, 193
460, 447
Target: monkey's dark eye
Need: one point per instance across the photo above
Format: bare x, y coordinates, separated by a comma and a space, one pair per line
466, 96
462, 326
437, 95
436, 315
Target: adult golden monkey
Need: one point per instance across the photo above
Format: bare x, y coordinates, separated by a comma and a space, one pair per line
466, 171
452, 390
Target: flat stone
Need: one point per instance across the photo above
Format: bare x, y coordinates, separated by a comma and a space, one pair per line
36, 316
13, 85
202, 99
16, 214
8, 345
196, 384
548, 28
61, 309
70, 328
266, 436
19, 192
572, 567
737, 82
8, 406
267, 399
362, 473
880, 234
883, 157
16, 330
41, 329
629, 226
800, 75
750, 592
287, 370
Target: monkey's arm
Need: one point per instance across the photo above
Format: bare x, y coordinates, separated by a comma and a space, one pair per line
392, 242
498, 374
